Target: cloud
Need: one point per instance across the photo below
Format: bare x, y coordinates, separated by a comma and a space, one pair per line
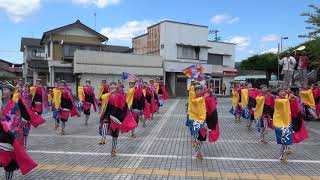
98, 3
271, 50
242, 42
270, 38
251, 52
224, 18
126, 31
17, 10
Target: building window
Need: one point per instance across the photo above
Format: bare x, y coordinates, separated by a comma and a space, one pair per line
49, 49
215, 59
188, 52
68, 50
64, 76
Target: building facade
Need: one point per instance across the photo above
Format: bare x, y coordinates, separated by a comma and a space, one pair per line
182, 45
51, 57
10, 71
96, 66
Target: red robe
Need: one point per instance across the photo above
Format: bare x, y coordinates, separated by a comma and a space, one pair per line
11, 126
117, 107
300, 132
212, 118
89, 98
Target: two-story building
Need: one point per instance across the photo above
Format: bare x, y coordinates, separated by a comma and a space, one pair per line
182, 45
51, 58
10, 71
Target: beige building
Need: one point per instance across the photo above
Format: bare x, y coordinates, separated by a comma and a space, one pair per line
182, 45
51, 57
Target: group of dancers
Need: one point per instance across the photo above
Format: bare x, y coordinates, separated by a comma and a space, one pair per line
22, 106
283, 111
202, 116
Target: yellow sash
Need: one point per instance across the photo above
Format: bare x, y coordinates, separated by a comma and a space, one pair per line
33, 91
307, 98
244, 97
101, 88
259, 107
197, 109
282, 113
57, 93
104, 100
15, 96
235, 98
157, 87
144, 92
80, 93
129, 97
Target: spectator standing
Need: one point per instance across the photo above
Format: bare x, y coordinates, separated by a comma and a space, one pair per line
288, 63
303, 66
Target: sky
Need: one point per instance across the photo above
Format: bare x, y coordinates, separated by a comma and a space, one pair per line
254, 25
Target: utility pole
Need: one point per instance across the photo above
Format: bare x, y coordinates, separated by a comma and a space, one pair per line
95, 21
215, 32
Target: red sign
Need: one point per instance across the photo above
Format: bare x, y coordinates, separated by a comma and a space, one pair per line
230, 72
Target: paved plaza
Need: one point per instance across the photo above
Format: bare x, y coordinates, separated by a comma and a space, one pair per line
163, 150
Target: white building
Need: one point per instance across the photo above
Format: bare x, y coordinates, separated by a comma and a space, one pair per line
95, 65
182, 45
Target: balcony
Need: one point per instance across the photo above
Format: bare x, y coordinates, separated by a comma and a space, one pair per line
36, 55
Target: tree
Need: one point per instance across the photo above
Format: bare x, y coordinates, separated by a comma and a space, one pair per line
313, 19
267, 62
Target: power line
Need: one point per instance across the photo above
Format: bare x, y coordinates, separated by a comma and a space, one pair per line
10, 51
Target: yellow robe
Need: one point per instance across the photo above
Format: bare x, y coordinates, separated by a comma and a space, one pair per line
129, 97
307, 98
101, 88
259, 106
282, 113
244, 97
197, 109
80, 93
235, 98
157, 87
33, 91
104, 101
144, 92
57, 93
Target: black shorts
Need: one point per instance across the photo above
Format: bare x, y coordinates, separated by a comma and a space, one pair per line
86, 112
113, 133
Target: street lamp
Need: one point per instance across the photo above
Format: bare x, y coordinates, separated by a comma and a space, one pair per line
282, 38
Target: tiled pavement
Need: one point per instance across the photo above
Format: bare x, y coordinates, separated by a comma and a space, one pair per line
163, 151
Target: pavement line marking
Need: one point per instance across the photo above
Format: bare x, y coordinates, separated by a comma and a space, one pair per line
160, 172
163, 139
134, 162
171, 156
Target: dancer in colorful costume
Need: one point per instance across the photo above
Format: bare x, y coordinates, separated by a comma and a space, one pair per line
263, 112
203, 110
161, 91
39, 98
13, 155
64, 106
137, 103
103, 89
153, 106
308, 102
236, 107
316, 95
288, 122
24, 94
87, 98
115, 117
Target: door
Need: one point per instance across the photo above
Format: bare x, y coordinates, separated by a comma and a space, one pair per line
181, 85
216, 85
